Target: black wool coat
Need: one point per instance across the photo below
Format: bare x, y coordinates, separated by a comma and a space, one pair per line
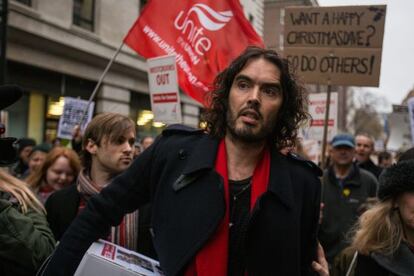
400, 263
177, 173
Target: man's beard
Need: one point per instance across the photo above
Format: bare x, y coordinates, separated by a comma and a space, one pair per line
247, 133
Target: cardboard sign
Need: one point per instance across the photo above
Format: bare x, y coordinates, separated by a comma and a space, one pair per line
73, 110
337, 66
316, 108
335, 45
165, 97
105, 258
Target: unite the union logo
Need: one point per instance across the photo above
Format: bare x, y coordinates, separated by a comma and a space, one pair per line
208, 19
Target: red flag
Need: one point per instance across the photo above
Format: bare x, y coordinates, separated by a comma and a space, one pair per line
205, 35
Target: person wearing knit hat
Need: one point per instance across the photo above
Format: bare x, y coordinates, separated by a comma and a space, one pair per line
406, 155
396, 180
384, 235
24, 148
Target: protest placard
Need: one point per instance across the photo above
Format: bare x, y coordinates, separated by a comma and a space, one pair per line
312, 149
316, 108
73, 111
335, 45
399, 128
163, 86
410, 104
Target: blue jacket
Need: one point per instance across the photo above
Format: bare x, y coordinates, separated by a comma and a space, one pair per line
177, 174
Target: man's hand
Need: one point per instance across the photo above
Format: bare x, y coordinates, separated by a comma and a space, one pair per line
321, 266
76, 134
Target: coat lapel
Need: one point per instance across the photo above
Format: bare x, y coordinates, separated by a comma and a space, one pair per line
203, 156
280, 183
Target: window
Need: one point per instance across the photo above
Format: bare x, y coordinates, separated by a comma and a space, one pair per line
83, 14
25, 2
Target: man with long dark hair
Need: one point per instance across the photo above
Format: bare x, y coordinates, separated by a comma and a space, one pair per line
225, 201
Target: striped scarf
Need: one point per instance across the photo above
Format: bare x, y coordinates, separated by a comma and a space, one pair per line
125, 234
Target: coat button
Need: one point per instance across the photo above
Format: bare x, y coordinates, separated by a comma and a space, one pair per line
182, 154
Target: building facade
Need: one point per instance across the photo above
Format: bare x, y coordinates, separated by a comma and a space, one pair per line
253, 10
59, 48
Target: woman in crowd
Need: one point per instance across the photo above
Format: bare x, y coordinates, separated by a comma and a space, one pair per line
59, 170
24, 148
25, 238
384, 236
36, 158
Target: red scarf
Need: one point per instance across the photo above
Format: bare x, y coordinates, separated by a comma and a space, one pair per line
213, 257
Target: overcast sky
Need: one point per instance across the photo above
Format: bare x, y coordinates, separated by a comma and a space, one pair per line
397, 73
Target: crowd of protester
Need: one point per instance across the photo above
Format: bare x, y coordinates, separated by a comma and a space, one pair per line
49, 184
362, 215
367, 221
361, 227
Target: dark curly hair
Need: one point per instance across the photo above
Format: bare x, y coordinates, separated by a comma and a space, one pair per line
291, 114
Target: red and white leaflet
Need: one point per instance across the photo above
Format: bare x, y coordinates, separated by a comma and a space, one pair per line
163, 86
105, 258
204, 36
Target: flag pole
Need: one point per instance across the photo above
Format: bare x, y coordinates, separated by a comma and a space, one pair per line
98, 85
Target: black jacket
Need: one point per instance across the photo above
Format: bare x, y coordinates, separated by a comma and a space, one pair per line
342, 211
401, 263
371, 167
62, 208
177, 174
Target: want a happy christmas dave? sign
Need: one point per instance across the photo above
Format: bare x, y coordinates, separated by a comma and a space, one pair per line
335, 45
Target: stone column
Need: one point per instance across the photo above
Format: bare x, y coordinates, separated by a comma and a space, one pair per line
113, 99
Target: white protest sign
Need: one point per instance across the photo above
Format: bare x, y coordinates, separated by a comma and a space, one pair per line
163, 86
410, 104
316, 108
73, 110
399, 128
312, 149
